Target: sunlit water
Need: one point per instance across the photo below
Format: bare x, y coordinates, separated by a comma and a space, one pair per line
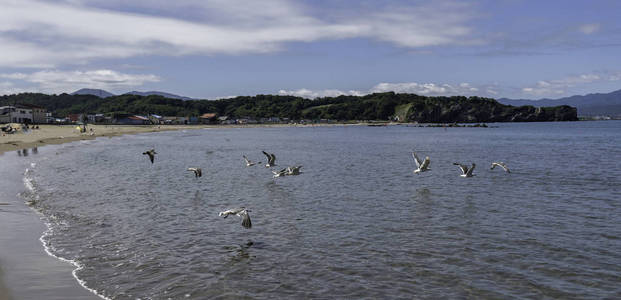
356, 224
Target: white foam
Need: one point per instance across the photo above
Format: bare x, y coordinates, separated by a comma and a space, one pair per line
29, 184
49, 250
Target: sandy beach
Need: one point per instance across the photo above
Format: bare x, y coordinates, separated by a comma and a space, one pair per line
58, 134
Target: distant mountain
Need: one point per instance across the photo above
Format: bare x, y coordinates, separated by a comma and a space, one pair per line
163, 94
96, 92
587, 105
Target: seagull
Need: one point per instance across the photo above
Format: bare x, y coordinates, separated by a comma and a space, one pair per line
197, 171
271, 158
249, 163
500, 164
466, 172
422, 165
282, 172
293, 170
240, 212
151, 153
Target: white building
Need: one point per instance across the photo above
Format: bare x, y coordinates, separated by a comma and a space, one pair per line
11, 114
23, 113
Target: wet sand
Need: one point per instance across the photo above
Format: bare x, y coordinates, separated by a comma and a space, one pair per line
4, 292
26, 270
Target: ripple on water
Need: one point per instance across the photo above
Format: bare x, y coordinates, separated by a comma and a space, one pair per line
352, 226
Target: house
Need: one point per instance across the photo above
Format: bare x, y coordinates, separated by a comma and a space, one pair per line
133, 120
175, 120
37, 112
156, 119
247, 121
75, 118
208, 118
5, 114
49, 118
96, 118
15, 114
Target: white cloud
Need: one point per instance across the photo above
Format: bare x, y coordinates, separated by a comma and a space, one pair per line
48, 34
542, 88
425, 89
306, 93
557, 87
8, 88
589, 28
55, 81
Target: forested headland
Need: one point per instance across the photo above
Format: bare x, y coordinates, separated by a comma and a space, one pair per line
378, 106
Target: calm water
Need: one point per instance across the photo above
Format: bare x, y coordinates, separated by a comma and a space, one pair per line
356, 224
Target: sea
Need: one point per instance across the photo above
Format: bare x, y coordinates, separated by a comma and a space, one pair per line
357, 223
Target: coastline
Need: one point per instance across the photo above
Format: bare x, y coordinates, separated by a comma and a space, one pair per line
27, 271
60, 134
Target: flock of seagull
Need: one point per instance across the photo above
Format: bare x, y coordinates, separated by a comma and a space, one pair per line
466, 171
422, 166
241, 211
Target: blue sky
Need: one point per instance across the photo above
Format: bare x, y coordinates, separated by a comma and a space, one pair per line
221, 48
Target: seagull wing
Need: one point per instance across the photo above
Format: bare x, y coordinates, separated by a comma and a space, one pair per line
425, 164
502, 165
464, 169
268, 156
245, 219
272, 159
246, 159
151, 156
281, 172
232, 211
469, 171
416, 160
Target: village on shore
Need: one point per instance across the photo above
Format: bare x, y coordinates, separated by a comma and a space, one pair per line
33, 114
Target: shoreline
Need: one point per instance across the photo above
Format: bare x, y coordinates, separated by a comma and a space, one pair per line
20, 265
60, 134
26, 270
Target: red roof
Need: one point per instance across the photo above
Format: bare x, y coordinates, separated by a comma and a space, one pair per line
208, 115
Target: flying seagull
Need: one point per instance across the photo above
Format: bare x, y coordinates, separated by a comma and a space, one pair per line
271, 158
282, 172
151, 153
249, 163
466, 172
240, 212
422, 165
197, 172
293, 170
500, 164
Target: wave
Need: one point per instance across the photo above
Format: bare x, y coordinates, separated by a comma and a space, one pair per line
32, 199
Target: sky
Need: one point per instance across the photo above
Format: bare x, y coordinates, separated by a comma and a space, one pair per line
212, 49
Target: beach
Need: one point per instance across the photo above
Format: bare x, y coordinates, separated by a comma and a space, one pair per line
26, 270
58, 134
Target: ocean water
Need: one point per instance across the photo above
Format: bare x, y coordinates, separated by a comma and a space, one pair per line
357, 223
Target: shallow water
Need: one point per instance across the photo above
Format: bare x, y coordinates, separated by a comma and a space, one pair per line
356, 224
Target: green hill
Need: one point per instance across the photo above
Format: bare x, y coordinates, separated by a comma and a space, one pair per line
379, 106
